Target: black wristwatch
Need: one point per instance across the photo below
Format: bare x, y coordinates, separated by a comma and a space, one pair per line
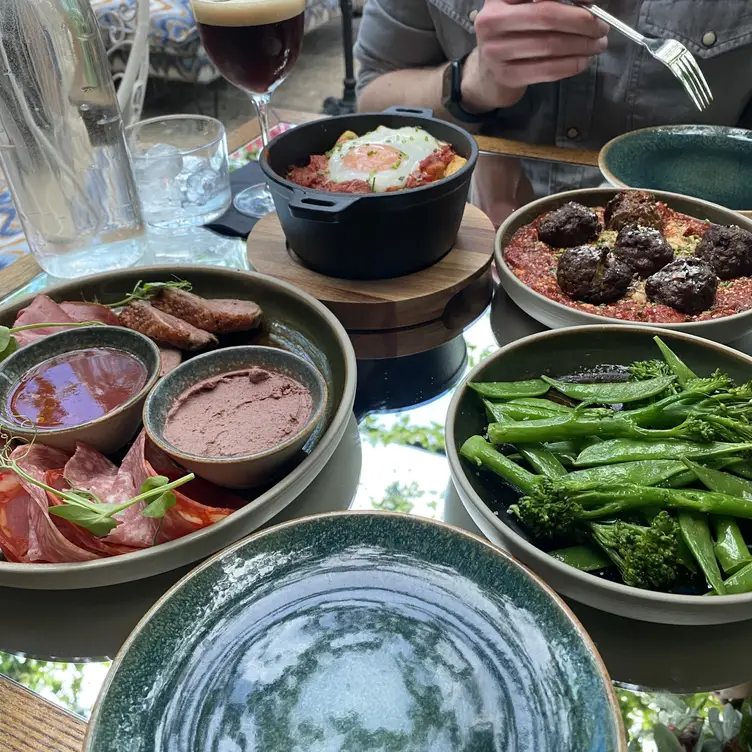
451, 95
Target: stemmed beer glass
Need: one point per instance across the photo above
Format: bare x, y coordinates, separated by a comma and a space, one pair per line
254, 44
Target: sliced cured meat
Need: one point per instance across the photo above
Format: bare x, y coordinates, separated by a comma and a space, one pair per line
45, 541
80, 311
169, 359
164, 327
14, 517
78, 535
91, 471
42, 310
189, 514
219, 316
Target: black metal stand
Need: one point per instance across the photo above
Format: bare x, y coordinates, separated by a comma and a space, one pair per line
346, 105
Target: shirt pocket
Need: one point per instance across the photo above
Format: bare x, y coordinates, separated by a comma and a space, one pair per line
455, 25
708, 28
719, 34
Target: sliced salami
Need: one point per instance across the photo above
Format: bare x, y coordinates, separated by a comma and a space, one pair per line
91, 471
78, 535
46, 542
14, 517
189, 515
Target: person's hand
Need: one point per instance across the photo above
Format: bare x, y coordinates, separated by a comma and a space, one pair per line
522, 43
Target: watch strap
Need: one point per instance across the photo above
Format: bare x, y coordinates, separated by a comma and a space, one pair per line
453, 97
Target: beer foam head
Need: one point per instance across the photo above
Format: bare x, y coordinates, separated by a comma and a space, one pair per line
245, 12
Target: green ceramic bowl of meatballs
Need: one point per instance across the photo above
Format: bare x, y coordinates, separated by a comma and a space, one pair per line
604, 256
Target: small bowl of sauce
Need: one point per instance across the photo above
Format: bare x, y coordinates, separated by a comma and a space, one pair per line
82, 385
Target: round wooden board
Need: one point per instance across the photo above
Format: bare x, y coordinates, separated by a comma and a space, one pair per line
367, 305
464, 308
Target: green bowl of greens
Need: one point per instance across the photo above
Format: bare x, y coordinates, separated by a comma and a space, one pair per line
616, 462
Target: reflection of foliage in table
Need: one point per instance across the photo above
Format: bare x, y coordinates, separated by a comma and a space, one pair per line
399, 497
688, 723
404, 433
64, 682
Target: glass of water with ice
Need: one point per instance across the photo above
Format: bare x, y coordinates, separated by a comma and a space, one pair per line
181, 169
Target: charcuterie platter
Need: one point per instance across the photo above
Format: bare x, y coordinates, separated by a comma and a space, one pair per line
124, 504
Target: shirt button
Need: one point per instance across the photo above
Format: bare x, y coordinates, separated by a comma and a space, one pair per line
473, 15
709, 38
573, 133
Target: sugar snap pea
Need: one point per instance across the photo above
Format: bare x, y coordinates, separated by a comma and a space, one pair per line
501, 411
556, 407
631, 450
643, 473
716, 480
742, 467
584, 558
683, 373
564, 451
544, 461
730, 548
510, 389
612, 394
482, 454
696, 533
688, 477
739, 582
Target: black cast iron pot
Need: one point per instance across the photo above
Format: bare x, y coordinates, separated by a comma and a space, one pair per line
369, 236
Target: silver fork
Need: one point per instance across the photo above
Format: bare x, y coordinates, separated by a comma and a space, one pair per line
674, 55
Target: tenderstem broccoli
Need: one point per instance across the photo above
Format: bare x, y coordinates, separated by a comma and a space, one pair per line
647, 557
555, 510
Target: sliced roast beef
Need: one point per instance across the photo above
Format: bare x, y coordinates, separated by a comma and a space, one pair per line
169, 359
165, 328
220, 316
80, 311
41, 310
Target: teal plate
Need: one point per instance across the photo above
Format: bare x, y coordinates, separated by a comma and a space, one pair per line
705, 161
358, 632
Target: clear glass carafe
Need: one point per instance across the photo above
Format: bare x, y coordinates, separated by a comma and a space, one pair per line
62, 143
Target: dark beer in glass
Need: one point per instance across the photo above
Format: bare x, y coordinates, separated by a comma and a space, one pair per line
254, 44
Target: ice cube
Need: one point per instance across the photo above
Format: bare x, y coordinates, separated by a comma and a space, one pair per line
199, 183
161, 162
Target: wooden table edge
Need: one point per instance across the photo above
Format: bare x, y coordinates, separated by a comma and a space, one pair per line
29, 723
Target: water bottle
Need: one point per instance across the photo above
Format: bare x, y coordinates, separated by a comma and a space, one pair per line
62, 142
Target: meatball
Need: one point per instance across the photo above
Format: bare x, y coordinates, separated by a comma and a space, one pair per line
643, 249
592, 274
687, 284
568, 226
632, 208
728, 250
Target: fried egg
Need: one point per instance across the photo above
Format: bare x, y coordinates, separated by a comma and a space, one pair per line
383, 158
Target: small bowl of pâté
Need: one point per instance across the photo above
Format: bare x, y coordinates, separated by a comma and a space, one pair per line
654, 258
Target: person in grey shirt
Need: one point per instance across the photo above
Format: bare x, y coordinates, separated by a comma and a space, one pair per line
549, 73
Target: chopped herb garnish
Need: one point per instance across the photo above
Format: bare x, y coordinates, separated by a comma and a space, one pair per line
147, 290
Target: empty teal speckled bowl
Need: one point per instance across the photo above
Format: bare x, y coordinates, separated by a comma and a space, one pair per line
361, 632
705, 161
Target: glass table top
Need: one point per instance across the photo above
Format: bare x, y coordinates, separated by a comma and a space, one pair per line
392, 457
